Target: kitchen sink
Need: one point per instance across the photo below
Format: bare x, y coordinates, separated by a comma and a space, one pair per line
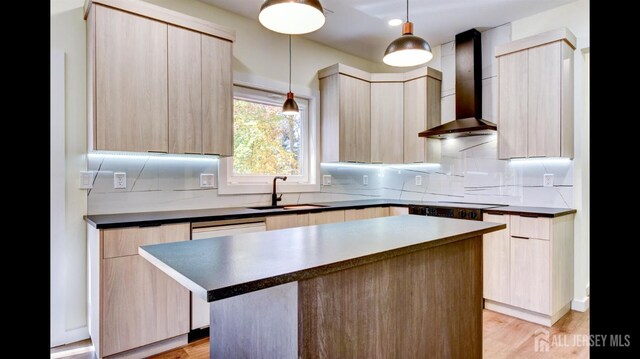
291, 206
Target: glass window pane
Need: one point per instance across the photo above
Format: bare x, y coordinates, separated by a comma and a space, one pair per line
265, 141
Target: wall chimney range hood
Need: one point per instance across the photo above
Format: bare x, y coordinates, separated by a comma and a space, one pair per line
468, 120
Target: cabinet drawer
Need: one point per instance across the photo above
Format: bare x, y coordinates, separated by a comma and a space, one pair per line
125, 241
530, 227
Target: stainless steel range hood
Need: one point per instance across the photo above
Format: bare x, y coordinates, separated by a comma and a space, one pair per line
468, 120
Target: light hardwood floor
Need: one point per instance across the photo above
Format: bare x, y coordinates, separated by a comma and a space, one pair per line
503, 337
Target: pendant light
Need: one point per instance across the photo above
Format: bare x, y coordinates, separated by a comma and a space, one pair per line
292, 16
408, 49
290, 106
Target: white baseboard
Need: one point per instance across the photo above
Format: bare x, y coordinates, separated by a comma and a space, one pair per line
581, 305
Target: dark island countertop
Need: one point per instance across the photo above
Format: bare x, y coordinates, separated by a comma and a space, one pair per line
531, 211
223, 267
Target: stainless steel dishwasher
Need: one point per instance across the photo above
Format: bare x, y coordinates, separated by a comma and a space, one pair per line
202, 230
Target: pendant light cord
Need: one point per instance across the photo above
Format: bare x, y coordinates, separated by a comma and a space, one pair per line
407, 10
289, 63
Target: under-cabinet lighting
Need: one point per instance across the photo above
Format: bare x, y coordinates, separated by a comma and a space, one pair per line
147, 155
540, 161
380, 166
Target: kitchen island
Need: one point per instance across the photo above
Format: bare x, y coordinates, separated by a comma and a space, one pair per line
404, 286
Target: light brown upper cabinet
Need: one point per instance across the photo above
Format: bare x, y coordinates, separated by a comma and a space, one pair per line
185, 90
535, 96
421, 111
387, 129
217, 94
131, 82
158, 80
376, 117
346, 117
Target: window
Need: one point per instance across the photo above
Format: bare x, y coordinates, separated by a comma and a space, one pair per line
267, 144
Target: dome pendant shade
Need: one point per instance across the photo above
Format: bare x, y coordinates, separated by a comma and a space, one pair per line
408, 49
290, 106
292, 17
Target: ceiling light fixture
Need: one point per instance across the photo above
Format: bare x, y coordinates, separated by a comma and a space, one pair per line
292, 16
395, 22
408, 49
290, 107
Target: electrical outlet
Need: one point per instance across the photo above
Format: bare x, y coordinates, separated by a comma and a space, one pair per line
548, 180
418, 180
207, 180
365, 180
86, 179
326, 180
119, 180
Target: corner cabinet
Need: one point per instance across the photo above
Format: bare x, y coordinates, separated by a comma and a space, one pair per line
422, 97
528, 267
376, 117
346, 118
535, 96
158, 80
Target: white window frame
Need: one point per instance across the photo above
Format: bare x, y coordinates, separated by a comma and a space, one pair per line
228, 183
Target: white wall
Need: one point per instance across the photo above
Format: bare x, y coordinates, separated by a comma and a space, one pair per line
68, 36
574, 16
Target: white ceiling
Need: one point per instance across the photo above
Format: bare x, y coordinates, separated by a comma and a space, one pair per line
359, 27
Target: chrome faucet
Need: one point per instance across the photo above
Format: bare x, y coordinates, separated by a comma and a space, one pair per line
274, 197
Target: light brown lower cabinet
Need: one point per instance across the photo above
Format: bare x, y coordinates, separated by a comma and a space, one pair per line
398, 211
528, 267
287, 221
365, 213
326, 217
134, 306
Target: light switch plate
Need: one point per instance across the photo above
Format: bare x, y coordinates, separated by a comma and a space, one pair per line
119, 180
326, 180
365, 180
207, 180
418, 180
86, 179
548, 180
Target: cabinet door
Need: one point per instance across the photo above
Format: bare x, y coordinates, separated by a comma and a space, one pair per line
355, 120
363, 121
544, 126
333, 142
326, 217
530, 274
287, 221
217, 96
140, 304
131, 82
387, 122
512, 107
398, 211
185, 91
365, 213
415, 120
496, 254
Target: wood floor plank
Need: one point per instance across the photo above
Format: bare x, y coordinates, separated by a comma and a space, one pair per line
503, 337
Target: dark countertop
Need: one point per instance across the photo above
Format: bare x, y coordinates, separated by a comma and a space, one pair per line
222, 267
103, 221
531, 211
